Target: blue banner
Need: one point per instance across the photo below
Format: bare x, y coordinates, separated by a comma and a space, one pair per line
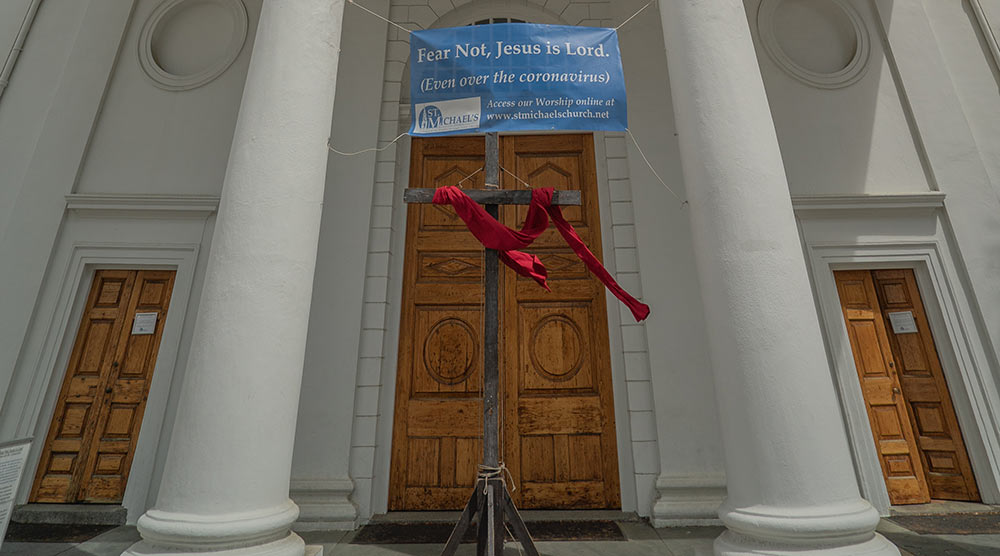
516, 76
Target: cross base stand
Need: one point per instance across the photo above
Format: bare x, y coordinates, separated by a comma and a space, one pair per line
489, 503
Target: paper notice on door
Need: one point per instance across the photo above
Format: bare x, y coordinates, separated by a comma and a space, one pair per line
144, 323
12, 457
902, 322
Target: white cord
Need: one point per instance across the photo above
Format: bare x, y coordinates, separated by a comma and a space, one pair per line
362, 151
622, 24
651, 169
526, 184
385, 19
459, 184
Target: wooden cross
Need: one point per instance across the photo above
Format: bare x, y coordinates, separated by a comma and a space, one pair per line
490, 500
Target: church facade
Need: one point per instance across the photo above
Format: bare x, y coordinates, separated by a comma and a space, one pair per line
217, 312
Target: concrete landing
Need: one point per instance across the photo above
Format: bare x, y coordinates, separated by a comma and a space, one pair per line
642, 540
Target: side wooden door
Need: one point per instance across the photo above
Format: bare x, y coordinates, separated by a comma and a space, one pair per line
559, 434
558, 430
939, 438
91, 441
887, 412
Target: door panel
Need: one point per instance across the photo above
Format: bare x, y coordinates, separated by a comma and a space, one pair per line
126, 392
436, 442
939, 439
557, 404
897, 448
71, 433
91, 441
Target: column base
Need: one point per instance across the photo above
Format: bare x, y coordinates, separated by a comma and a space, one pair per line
264, 532
292, 545
841, 529
734, 544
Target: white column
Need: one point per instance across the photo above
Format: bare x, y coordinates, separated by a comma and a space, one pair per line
226, 477
790, 480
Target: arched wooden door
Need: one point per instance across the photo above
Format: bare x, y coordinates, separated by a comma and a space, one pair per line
558, 430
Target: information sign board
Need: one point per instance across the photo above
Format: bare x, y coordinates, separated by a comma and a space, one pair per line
13, 454
516, 76
903, 322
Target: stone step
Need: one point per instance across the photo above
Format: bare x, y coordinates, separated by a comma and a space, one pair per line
75, 514
527, 515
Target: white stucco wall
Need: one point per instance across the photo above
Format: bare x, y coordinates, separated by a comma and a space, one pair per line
321, 480
151, 140
968, 42
690, 481
38, 73
29, 133
850, 139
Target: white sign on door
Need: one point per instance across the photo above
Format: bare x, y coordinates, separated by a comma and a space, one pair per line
903, 322
12, 457
144, 323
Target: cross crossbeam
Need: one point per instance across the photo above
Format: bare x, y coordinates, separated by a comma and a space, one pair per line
495, 196
490, 501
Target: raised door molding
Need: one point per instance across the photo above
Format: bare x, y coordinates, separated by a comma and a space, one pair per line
128, 202
810, 203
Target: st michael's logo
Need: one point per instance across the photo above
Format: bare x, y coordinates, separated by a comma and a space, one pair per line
430, 117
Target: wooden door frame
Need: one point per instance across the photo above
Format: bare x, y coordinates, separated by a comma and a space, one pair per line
63, 302
383, 439
949, 327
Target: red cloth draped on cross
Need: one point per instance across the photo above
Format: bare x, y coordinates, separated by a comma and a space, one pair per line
495, 235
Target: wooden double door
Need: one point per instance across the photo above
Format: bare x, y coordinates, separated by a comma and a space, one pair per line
913, 421
91, 441
557, 414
